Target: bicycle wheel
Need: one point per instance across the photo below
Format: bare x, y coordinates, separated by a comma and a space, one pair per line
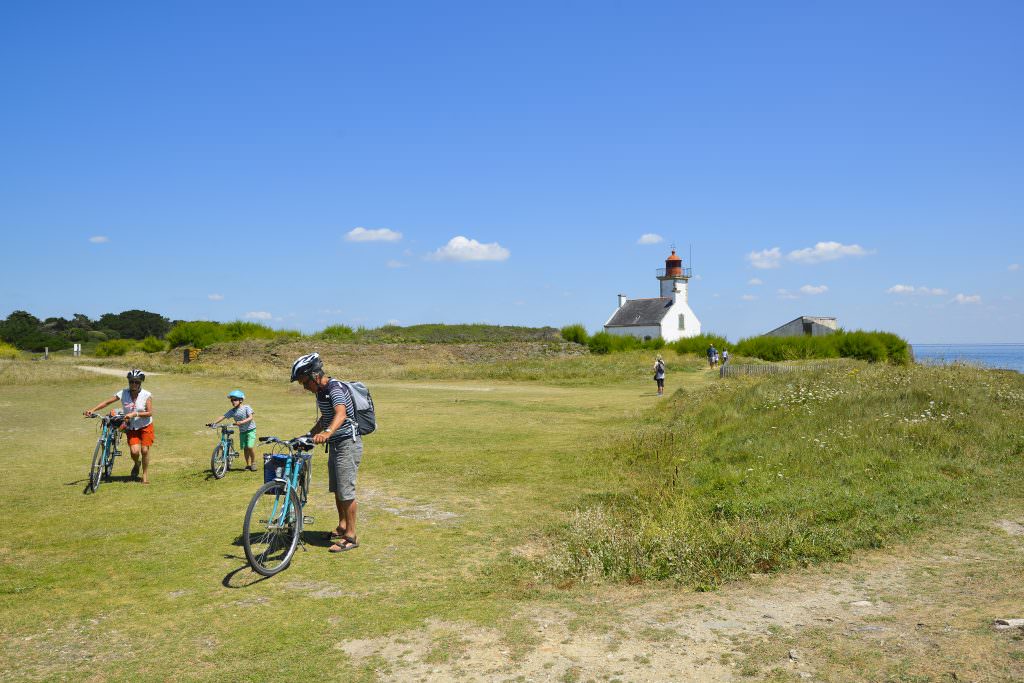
218, 462
96, 471
271, 530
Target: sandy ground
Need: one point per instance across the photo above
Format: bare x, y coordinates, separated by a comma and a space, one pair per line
922, 613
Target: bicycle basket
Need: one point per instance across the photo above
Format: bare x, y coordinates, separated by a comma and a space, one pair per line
273, 466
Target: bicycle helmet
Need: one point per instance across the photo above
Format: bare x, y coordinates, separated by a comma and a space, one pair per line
306, 365
237, 394
135, 373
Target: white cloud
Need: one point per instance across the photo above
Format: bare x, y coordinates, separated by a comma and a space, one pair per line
748, 297
461, 248
649, 238
826, 251
767, 258
395, 264
99, 239
909, 289
1014, 266
215, 297
259, 315
814, 289
786, 294
967, 299
378, 235
755, 281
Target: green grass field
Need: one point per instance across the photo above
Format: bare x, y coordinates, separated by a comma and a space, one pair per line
137, 581
488, 488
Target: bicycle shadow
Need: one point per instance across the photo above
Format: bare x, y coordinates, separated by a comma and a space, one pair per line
242, 577
119, 479
316, 539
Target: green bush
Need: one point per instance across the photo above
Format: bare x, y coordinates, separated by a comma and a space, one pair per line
198, 334
861, 345
95, 335
9, 351
600, 343
338, 332
700, 343
575, 333
152, 345
114, 347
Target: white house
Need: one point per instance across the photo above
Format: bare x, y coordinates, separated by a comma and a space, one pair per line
668, 316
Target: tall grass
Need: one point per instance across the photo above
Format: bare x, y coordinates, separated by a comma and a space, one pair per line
758, 475
9, 351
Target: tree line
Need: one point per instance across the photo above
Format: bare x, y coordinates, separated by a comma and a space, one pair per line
28, 333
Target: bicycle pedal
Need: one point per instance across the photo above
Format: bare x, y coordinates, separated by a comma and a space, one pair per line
307, 520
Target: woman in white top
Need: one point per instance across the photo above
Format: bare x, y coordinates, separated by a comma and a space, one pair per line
137, 404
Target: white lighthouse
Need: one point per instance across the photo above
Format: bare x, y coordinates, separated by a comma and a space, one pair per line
668, 316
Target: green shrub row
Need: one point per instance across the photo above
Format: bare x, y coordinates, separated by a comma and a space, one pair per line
203, 333
870, 346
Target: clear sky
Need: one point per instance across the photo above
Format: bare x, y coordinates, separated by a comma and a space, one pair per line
312, 163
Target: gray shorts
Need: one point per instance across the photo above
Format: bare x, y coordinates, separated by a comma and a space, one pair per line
343, 458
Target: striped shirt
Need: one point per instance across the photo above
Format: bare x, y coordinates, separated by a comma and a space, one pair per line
336, 394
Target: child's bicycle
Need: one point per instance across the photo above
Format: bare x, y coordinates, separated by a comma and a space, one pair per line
107, 448
273, 521
224, 453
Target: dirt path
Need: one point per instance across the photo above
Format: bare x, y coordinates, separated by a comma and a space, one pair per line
110, 371
907, 614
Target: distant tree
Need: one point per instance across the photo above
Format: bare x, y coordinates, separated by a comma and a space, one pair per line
135, 324
26, 331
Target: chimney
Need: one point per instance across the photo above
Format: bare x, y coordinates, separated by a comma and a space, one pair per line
622, 300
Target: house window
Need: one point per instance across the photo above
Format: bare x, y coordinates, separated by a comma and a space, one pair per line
682, 322
647, 337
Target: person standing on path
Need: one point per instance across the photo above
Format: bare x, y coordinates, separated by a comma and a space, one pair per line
337, 428
137, 405
712, 355
659, 374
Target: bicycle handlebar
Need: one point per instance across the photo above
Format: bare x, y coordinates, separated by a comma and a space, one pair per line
299, 443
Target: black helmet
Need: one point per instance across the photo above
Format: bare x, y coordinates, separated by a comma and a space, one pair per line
306, 365
135, 373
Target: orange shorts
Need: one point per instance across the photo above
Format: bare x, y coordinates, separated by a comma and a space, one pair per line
143, 436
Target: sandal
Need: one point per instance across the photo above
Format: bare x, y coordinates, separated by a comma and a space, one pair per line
337, 533
347, 543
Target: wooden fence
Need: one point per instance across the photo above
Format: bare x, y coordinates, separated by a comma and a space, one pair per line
730, 370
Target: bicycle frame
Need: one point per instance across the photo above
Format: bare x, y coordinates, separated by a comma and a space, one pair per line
108, 442
291, 475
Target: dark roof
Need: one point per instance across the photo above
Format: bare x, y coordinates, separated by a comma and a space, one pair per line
640, 312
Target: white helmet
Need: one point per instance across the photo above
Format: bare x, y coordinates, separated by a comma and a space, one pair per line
306, 365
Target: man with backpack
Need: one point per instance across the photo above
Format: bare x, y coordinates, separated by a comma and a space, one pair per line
338, 429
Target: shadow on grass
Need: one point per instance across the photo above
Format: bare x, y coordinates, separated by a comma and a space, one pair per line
243, 577
317, 539
120, 479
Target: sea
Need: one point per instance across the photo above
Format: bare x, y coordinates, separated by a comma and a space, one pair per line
1002, 356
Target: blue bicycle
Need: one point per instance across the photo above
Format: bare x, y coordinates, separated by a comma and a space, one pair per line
224, 453
273, 521
107, 448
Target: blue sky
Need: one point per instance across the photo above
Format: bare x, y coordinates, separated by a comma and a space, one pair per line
217, 160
